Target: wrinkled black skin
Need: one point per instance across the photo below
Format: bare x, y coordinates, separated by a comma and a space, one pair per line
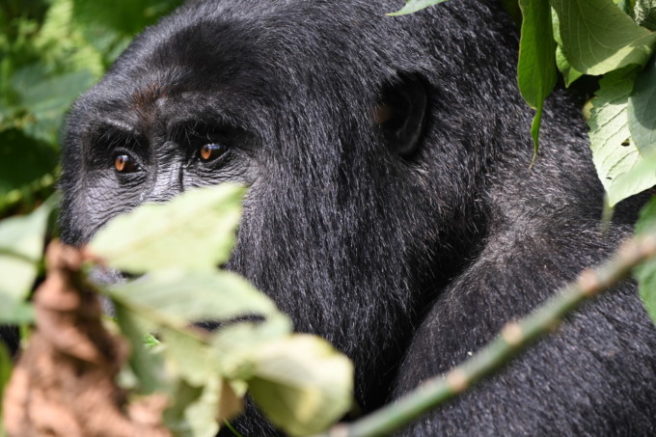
407, 260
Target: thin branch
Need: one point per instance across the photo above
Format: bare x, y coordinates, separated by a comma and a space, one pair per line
513, 338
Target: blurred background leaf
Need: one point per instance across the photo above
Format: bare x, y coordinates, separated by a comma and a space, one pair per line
51, 51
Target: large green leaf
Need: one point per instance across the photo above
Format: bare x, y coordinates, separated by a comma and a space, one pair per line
21, 247
641, 111
536, 69
646, 273
193, 231
615, 156
415, 5
302, 384
598, 37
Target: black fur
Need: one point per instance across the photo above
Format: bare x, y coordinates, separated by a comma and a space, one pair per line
405, 241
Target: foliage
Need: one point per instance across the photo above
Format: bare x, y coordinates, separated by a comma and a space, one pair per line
299, 381
50, 52
595, 37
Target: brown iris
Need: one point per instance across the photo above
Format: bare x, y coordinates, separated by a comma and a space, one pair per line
125, 164
209, 152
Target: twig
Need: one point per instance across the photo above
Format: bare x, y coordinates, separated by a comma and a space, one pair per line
514, 337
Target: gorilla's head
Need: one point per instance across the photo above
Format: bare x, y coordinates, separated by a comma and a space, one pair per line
366, 142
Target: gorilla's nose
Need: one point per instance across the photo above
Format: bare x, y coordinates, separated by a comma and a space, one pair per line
168, 183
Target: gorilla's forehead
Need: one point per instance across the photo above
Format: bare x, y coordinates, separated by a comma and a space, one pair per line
279, 44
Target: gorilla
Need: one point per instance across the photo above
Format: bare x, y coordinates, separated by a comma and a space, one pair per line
392, 206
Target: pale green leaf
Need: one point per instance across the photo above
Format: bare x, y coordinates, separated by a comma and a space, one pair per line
415, 5
615, 156
645, 274
211, 295
236, 342
642, 116
640, 177
193, 231
302, 384
21, 248
145, 363
197, 411
597, 37
15, 312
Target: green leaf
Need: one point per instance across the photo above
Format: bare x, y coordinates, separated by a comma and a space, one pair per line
641, 177
302, 384
21, 248
146, 364
208, 295
642, 117
615, 156
14, 312
196, 411
645, 274
536, 69
569, 73
414, 6
193, 231
598, 37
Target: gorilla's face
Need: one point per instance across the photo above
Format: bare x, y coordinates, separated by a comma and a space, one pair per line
150, 150
348, 198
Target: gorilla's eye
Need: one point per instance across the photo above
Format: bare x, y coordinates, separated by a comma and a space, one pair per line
211, 151
124, 163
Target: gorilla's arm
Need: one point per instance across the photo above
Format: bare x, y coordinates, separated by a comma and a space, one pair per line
593, 377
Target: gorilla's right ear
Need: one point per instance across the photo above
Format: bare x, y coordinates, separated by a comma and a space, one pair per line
401, 113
